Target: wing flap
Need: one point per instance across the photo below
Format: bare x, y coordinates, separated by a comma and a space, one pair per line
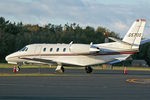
46, 61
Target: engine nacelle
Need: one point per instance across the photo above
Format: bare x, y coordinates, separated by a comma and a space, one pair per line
94, 49
79, 48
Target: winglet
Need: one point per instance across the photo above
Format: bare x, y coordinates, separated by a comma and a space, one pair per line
70, 45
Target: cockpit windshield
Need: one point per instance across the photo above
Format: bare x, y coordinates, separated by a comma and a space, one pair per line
24, 49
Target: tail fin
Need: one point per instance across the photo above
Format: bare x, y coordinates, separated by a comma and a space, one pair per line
135, 33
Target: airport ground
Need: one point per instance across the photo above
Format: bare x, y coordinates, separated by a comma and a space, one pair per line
74, 84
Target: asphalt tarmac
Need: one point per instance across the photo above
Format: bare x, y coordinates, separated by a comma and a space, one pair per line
76, 85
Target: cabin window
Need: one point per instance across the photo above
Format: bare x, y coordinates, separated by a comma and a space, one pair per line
57, 49
51, 49
64, 50
44, 49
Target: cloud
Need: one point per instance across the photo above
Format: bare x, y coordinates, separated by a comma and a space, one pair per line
116, 15
119, 26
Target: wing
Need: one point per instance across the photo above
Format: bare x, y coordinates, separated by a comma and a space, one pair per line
47, 61
38, 60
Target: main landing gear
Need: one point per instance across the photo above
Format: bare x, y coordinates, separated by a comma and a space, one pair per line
60, 69
88, 69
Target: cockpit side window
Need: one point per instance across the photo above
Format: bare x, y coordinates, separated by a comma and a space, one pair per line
24, 49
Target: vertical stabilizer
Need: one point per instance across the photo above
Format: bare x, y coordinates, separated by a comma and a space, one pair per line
135, 33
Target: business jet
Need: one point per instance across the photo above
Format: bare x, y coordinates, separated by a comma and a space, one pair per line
85, 55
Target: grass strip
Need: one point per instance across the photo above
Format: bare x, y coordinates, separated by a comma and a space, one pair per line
3, 65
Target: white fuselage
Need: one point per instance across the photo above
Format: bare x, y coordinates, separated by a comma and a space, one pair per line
74, 54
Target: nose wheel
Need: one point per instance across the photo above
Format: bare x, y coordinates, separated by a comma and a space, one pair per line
88, 69
18, 68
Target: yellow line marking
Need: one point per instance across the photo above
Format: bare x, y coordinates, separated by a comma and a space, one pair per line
139, 81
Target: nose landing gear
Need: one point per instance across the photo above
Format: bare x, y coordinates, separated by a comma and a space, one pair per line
16, 69
88, 69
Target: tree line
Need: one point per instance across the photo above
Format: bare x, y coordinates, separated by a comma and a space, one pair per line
14, 36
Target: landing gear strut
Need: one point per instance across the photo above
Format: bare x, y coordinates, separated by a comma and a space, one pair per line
18, 68
88, 69
60, 69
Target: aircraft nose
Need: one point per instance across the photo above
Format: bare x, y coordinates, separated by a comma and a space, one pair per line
11, 58
6, 58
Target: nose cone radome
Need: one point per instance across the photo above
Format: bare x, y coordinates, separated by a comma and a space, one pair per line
7, 58
11, 59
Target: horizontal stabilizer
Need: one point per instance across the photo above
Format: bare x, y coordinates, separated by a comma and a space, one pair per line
114, 62
117, 60
120, 41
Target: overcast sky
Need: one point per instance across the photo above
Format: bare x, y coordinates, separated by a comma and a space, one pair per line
116, 15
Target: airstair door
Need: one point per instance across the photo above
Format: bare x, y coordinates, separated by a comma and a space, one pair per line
38, 51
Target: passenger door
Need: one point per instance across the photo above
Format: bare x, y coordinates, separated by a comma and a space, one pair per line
38, 51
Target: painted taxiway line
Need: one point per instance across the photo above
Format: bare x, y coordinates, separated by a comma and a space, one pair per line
138, 81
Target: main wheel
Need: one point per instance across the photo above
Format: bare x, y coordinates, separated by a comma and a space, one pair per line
18, 69
62, 69
88, 69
